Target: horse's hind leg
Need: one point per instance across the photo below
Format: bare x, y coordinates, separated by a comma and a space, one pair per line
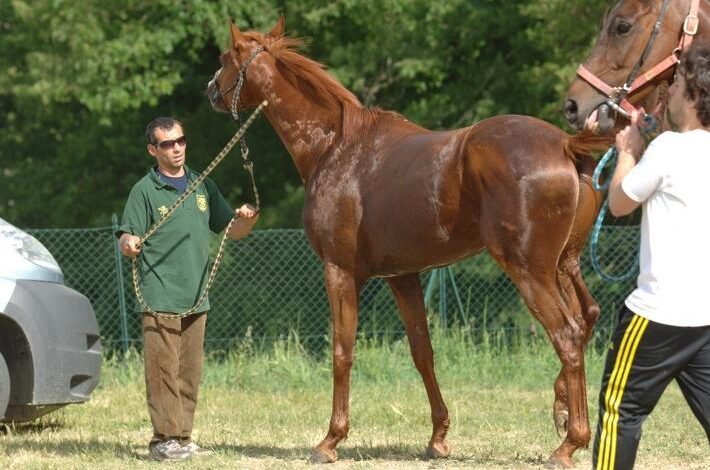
343, 290
541, 293
531, 261
578, 297
580, 300
407, 292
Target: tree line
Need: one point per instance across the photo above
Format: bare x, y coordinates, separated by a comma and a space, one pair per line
80, 80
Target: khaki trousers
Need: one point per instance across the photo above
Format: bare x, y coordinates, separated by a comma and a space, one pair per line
173, 351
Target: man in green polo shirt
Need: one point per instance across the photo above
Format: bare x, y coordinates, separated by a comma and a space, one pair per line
174, 267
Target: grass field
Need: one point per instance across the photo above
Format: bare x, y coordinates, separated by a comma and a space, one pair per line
265, 409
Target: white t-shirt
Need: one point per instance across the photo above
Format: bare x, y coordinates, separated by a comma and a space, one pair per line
672, 181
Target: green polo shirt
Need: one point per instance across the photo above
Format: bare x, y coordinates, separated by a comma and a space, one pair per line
174, 263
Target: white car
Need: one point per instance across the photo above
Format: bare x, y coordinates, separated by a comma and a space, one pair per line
50, 350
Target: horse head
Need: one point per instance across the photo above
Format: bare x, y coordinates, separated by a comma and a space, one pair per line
229, 89
636, 52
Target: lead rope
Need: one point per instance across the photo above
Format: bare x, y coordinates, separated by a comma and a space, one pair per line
650, 125
249, 166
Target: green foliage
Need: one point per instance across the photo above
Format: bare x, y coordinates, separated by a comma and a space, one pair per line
79, 81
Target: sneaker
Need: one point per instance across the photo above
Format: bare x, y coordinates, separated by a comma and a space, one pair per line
196, 450
168, 450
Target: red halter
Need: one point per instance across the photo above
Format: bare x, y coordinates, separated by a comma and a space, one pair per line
619, 94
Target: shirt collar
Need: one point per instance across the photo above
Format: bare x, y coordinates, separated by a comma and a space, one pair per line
160, 184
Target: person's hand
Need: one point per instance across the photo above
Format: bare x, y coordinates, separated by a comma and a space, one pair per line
629, 140
247, 211
129, 245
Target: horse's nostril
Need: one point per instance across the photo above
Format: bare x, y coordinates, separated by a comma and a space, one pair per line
571, 111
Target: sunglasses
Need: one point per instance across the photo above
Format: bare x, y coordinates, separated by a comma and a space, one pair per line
168, 144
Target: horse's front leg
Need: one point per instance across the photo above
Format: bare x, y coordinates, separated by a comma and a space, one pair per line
407, 292
343, 291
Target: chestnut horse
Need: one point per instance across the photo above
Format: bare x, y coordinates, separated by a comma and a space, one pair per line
387, 198
634, 58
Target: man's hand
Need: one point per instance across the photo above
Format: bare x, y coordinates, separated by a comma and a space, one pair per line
247, 211
629, 145
629, 140
245, 219
129, 245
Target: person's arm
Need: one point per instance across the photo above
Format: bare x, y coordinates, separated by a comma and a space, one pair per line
133, 222
629, 145
221, 213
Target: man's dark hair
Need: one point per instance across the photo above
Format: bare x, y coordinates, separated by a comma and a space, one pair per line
695, 67
164, 123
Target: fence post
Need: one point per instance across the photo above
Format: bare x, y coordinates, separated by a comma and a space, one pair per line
120, 286
442, 297
438, 279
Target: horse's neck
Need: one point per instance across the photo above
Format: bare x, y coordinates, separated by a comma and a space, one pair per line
307, 130
704, 19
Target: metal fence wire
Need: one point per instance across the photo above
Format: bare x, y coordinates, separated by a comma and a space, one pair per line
270, 285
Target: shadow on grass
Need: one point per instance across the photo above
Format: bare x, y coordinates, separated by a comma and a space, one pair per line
74, 447
358, 453
33, 427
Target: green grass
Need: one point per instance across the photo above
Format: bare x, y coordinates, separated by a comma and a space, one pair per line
266, 408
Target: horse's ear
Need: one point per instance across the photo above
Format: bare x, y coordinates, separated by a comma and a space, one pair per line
237, 36
278, 30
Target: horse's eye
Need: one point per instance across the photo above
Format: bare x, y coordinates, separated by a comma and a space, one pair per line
622, 28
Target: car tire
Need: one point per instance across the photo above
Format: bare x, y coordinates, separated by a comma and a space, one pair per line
4, 386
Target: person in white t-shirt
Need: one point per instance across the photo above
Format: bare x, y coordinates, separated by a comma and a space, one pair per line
663, 330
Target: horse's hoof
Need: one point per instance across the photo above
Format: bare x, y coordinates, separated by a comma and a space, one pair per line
324, 456
558, 462
561, 418
439, 450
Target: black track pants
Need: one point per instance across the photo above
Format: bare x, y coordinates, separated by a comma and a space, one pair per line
643, 358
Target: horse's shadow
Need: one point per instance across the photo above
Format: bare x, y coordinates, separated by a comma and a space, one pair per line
357, 453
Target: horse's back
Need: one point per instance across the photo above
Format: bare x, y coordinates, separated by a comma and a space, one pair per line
518, 153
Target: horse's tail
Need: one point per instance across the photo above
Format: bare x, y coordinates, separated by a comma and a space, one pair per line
581, 148
586, 143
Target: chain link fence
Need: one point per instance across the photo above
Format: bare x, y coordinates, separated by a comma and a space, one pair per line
270, 285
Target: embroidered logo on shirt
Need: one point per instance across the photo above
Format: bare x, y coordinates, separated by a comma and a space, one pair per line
163, 210
202, 202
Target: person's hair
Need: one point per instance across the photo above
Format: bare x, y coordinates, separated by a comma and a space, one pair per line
164, 123
695, 67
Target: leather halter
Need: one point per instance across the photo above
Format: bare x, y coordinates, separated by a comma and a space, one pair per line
617, 95
237, 84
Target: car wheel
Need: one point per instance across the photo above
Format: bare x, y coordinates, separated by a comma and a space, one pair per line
4, 387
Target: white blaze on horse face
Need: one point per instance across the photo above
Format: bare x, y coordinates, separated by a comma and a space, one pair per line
217, 74
213, 92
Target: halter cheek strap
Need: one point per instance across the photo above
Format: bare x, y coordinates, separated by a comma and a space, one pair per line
239, 82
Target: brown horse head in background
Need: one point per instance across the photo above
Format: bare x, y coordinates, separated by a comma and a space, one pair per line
387, 198
634, 60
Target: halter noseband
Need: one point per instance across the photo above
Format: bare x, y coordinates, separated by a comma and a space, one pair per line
617, 95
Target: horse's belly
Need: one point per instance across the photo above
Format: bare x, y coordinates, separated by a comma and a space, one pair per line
417, 253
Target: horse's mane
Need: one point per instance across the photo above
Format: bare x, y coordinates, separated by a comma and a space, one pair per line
311, 78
